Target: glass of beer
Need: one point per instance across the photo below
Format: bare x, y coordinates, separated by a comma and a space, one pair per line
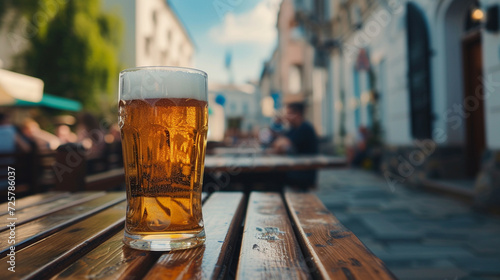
163, 121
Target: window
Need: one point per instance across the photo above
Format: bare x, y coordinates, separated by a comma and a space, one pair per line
419, 77
355, 100
356, 17
147, 45
154, 17
299, 4
319, 9
164, 57
233, 107
295, 79
245, 108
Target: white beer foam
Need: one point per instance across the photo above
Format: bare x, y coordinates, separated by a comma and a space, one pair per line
147, 83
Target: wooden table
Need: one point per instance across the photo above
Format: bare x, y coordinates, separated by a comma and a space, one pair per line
234, 165
261, 172
263, 236
262, 163
238, 150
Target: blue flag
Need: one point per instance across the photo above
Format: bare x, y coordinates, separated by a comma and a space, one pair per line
228, 59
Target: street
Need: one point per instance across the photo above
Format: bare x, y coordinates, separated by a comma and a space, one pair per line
418, 234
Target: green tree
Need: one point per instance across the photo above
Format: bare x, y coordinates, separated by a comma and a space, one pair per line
74, 48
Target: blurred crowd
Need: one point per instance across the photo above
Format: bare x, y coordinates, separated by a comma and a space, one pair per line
29, 137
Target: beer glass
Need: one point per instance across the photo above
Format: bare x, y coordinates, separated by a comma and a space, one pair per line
163, 121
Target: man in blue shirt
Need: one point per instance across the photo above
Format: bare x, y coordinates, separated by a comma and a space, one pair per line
300, 139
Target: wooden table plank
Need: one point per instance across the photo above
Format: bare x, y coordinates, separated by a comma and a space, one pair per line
260, 163
222, 214
46, 225
269, 247
105, 180
113, 260
33, 200
333, 251
245, 151
247, 163
31, 213
50, 255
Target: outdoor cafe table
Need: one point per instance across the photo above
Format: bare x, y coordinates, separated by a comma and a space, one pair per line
260, 171
61, 235
263, 162
240, 167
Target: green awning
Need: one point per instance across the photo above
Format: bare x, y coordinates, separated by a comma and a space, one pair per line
54, 102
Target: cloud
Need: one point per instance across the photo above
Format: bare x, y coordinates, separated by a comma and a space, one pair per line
257, 25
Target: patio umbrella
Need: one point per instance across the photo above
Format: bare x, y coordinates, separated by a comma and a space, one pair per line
15, 86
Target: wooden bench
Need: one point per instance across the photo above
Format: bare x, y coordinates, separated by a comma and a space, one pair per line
35, 171
65, 169
262, 236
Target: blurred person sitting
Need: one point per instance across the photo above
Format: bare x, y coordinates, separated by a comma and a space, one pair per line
65, 135
114, 146
268, 135
12, 140
299, 139
359, 152
91, 136
45, 141
114, 134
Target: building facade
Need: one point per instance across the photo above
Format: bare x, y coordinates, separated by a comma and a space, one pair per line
234, 111
291, 74
153, 34
424, 73
422, 76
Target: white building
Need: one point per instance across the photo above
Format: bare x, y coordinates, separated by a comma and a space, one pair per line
435, 69
153, 34
233, 109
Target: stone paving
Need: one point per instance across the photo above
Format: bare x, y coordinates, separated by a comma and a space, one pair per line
419, 235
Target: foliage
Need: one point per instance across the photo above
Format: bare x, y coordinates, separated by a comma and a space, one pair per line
73, 48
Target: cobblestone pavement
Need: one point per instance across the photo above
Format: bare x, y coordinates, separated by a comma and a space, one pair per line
419, 235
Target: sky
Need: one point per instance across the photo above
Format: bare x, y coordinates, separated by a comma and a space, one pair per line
245, 28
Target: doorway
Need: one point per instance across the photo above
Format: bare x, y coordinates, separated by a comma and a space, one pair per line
419, 75
473, 101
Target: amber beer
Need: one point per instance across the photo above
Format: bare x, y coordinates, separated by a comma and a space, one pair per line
163, 142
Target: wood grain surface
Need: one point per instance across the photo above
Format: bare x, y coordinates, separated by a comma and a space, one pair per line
333, 251
269, 247
35, 230
111, 260
222, 214
33, 212
32, 200
260, 163
245, 163
50, 255
79, 236
105, 180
